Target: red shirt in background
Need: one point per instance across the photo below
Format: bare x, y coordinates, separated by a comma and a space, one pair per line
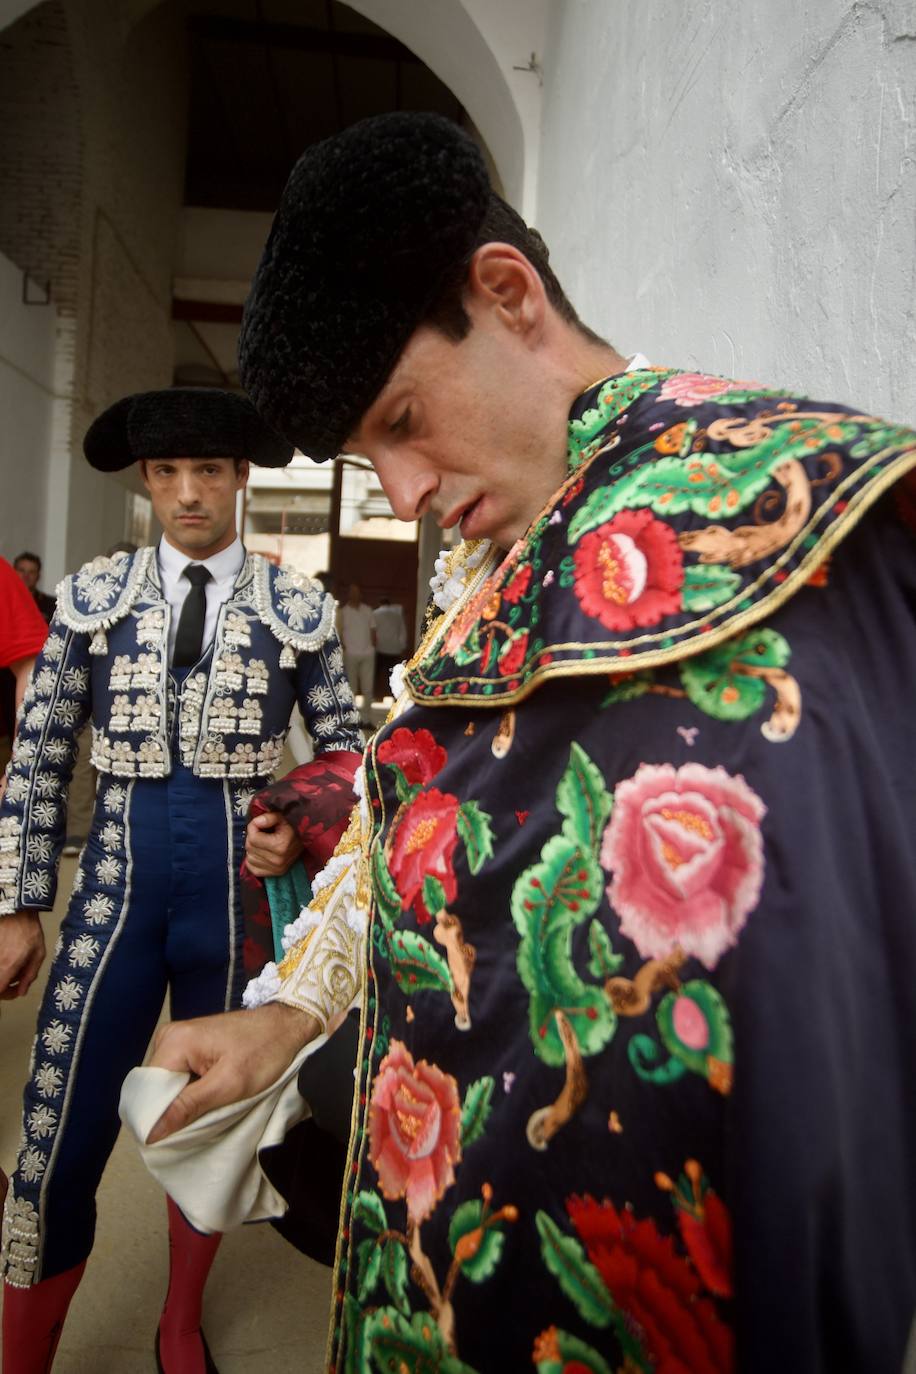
22, 627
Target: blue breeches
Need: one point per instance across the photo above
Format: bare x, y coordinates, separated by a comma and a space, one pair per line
155, 907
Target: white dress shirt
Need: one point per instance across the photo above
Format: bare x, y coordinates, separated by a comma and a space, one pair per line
224, 567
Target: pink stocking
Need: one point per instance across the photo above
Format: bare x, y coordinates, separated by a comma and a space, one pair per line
33, 1319
181, 1347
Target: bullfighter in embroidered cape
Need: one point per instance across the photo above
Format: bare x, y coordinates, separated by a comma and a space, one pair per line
187, 660
629, 894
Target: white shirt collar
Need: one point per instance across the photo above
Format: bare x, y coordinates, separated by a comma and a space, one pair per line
637, 363
227, 563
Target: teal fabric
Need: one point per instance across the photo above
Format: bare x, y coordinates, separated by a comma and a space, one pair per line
287, 895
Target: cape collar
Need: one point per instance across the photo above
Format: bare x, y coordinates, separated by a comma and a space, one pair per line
695, 506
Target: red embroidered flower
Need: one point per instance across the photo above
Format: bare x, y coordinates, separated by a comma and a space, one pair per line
422, 846
513, 654
686, 854
651, 1282
519, 585
574, 490
415, 752
708, 1239
629, 571
414, 1130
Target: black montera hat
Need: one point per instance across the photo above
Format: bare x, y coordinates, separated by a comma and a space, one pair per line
182, 422
370, 226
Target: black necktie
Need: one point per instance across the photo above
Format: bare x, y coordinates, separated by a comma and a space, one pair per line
189, 640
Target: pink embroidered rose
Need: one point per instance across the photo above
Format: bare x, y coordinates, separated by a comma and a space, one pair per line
423, 845
414, 1130
692, 388
415, 752
685, 853
629, 571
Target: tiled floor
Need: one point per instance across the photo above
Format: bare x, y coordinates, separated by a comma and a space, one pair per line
266, 1306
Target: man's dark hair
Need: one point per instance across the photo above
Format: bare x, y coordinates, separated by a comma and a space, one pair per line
501, 224
32, 558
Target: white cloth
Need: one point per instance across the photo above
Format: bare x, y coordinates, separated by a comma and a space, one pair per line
390, 630
356, 628
224, 567
637, 363
211, 1168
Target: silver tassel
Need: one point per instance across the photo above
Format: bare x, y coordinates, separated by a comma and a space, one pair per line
99, 643
287, 657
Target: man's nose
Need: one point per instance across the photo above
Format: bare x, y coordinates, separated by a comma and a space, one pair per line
408, 483
187, 488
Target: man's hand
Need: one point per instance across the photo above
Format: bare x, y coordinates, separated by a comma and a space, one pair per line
271, 845
234, 1056
22, 952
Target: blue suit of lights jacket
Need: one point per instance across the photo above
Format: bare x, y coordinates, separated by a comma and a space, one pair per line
106, 657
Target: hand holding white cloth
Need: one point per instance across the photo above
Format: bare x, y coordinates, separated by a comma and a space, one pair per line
211, 1168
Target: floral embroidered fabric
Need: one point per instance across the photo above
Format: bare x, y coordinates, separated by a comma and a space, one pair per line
637, 940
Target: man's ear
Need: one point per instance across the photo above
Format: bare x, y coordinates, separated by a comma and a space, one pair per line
143, 477
501, 279
242, 473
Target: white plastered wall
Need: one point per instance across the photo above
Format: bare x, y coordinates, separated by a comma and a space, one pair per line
482, 49
733, 187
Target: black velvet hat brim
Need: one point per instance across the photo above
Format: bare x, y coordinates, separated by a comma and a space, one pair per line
371, 224
182, 422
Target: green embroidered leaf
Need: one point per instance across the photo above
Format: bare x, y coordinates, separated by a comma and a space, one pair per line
397, 1343
629, 686
715, 683
708, 585
878, 437
604, 963
646, 1058
573, 1353
710, 1023
416, 964
387, 897
477, 833
760, 648
548, 900
481, 1264
713, 485
577, 1276
475, 1110
394, 1273
587, 433
406, 791
598, 507
584, 800
369, 1254
353, 1346
370, 1210
433, 894
469, 650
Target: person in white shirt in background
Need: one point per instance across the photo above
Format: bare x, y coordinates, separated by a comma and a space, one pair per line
390, 638
357, 634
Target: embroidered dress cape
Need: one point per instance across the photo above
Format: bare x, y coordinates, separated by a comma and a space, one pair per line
633, 880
